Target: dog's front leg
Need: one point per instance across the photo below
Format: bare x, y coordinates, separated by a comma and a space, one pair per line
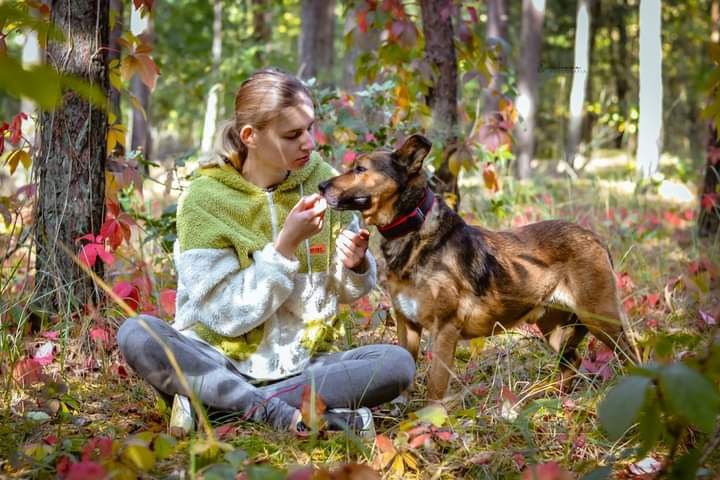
409, 334
443, 360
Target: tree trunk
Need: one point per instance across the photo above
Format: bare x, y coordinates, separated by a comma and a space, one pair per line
528, 70
317, 33
70, 163
442, 95
650, 123
262, 31
362, 42
496, 35
620, 62
211, 110
591, 117
581, 65
117, 8
709, 217
140, 136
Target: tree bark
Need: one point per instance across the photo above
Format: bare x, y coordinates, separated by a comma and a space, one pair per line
496, 35
591, 117
70, 162
531, 40
442, 95
317, 33
211, 110
620, 62
262, 31
650, 123
117, 8
581, 66
709, 217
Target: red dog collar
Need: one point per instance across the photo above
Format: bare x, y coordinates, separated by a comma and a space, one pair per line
410, 222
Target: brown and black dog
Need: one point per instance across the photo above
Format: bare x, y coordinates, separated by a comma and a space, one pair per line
460, 281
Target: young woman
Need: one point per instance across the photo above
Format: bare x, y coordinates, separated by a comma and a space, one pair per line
262, 266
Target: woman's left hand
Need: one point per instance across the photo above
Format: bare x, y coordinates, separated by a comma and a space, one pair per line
352, 247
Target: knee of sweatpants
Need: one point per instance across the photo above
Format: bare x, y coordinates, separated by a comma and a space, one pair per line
131, 333
405, 366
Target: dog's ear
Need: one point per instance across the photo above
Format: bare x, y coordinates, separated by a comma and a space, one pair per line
412, 153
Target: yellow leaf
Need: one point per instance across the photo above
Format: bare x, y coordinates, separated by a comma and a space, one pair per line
116, 135
434, 414
18, 156
111, 186
476, 346
398, 466
410, 461
140, 456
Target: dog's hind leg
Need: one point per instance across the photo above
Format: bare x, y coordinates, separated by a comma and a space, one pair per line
563, 332
443, 359
409, 334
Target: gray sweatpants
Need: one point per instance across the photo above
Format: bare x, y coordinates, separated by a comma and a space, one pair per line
362, 377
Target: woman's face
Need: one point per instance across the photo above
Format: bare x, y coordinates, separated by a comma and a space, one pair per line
287, 141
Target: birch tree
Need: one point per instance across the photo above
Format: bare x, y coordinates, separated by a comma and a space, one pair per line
213, 98
533, 13
650, 122
581, 68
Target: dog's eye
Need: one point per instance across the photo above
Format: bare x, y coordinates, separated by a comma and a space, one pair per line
359, 169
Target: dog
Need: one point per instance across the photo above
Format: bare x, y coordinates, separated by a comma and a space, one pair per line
460, 281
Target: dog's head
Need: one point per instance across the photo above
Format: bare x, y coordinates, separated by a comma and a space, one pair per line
375, 181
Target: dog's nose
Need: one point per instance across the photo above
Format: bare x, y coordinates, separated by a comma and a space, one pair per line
323, 186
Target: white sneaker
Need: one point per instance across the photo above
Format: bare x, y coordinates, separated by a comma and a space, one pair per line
359, 421
182, 421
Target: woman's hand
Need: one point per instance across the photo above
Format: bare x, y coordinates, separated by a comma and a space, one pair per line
304, 220
352, 247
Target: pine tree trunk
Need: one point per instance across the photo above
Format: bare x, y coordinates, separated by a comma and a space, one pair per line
442, 96
317, 33
620, 62
651, 89
528, 73
70, 162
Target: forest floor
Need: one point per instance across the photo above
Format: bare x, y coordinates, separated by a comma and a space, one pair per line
85, 415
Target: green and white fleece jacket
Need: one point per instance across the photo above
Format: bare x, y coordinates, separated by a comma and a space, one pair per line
267, 313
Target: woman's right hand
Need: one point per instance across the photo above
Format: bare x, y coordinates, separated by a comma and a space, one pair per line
304, 220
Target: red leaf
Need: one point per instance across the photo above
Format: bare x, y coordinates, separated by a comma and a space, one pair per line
88, 255
320, 138
307, 403
348, 157
99, 448
473, 14
362, 20
86, 471
707, 319
62, 467
167, 301
129, 293
420, 440
51, 440
225, 431
384, 444
27, 371
444, 435
652, 299
708, 201
52, 335
104, 255
100, 335
16, 127
546, 471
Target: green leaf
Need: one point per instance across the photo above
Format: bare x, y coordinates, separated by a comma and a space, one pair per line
222, 471
690, 395
164, 445
236, 458
434, 414
600, 473
650, 425
686, 466
263, 472
88, 91
39, 83
140, 456
621, 405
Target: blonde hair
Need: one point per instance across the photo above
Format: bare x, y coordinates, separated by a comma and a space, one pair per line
258, 101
